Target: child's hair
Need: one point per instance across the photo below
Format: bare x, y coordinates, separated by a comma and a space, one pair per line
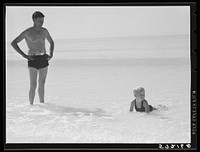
137, 90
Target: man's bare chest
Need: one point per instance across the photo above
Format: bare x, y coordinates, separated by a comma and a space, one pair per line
35, 35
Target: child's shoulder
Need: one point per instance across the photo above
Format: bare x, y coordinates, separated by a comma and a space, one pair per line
134, 100
145, 101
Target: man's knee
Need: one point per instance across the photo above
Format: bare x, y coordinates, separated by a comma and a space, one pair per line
33, 85
41, 82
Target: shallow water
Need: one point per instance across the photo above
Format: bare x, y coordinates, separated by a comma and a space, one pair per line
87, 101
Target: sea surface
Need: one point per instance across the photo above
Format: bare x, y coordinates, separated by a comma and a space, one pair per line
89, 89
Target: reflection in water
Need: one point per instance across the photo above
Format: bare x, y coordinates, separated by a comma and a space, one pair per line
60, 110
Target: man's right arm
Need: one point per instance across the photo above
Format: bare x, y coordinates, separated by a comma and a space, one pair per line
15, 42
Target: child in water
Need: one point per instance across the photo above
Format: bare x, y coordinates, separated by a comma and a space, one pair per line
139, 102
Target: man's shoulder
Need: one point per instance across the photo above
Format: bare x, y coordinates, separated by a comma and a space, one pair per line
29, 29
32, 28
44, 29
25, 32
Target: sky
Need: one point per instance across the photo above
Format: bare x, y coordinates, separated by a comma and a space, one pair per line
74, 22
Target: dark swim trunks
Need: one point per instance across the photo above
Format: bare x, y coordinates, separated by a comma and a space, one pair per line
142, 109
40, 61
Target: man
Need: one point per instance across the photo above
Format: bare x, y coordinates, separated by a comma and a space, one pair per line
37, 58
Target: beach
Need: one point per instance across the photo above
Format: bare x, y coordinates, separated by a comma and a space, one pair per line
89, 89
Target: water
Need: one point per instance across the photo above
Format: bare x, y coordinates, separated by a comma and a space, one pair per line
115, 48
88, 97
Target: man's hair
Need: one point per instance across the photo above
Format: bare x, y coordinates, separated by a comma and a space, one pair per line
37, 14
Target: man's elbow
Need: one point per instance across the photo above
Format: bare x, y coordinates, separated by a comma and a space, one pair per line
12, 43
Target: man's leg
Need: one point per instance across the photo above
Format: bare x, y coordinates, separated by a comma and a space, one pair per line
42, 79
33, 83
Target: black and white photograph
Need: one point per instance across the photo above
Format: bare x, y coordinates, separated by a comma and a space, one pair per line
98, 74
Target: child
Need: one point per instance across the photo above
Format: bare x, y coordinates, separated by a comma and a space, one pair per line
139, 102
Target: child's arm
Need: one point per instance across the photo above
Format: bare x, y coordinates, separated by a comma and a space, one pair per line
132, 106
146, 106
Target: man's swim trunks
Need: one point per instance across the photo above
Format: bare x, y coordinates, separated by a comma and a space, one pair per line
40, 61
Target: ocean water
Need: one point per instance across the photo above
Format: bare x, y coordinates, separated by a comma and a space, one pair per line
89, 90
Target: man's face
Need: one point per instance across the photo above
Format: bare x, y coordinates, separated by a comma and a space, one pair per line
38, 21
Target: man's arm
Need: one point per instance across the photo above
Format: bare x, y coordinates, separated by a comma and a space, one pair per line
15, 42
49, 38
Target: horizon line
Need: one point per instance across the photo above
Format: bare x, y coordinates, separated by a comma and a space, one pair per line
114, 37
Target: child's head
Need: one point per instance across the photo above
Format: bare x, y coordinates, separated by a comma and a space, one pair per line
139, 92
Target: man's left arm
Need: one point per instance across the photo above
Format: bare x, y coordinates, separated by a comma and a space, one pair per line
50, 40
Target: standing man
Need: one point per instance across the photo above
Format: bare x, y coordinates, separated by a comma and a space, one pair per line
37, 58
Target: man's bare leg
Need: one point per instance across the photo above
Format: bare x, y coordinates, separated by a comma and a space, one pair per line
33, 83
42, 79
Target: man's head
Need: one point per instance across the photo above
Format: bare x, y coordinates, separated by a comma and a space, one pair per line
37, 14
38, 18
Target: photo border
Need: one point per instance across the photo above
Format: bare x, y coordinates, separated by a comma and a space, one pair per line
115, 146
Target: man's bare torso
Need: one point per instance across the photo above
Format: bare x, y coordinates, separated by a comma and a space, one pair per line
35, 39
